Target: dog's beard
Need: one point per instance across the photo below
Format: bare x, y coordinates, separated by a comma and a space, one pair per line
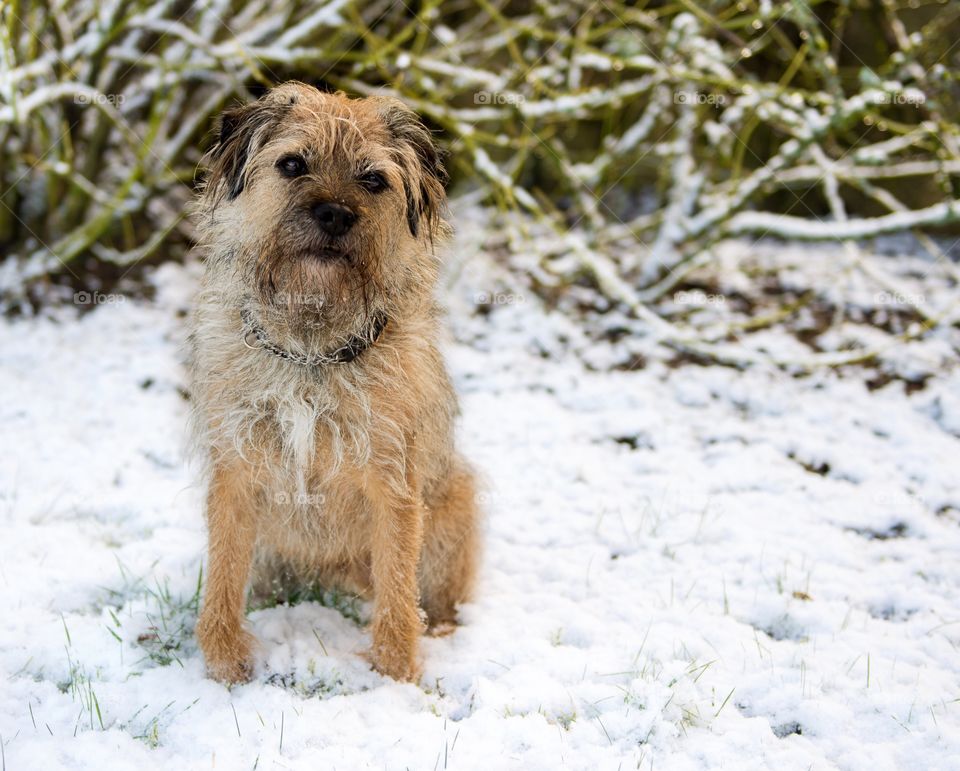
314, 297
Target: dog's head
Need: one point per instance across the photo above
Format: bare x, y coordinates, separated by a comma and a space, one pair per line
328, 206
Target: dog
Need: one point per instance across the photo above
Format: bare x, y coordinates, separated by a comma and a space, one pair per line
322, 405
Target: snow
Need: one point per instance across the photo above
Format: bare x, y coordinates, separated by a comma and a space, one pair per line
588, 99
686, 567
489, 169
326, 16
798, 227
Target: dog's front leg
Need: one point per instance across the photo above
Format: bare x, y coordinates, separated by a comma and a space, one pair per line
397, 540
227, 645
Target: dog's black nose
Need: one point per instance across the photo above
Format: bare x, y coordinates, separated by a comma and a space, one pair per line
333, 218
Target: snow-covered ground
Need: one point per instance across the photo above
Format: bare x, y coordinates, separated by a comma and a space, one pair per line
686, 567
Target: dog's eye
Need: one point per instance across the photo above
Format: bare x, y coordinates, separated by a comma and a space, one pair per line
373, 181
292, 166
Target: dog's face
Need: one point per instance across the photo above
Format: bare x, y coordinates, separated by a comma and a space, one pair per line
328, 206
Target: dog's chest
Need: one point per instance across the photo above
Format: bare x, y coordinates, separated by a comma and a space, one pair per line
315, 475
324, 512
314, 424
319, 510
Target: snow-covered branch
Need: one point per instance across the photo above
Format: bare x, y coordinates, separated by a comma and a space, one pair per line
805, 229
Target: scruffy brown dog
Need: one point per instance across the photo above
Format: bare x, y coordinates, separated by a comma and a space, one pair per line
321, 399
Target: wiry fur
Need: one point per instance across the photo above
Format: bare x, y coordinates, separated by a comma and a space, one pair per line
344, 473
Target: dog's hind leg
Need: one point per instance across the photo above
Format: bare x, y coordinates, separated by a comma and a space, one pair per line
451, 549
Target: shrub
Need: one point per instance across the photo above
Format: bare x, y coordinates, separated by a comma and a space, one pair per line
652, 130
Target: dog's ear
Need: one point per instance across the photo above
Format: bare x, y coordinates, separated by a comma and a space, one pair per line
240, 131
424, 175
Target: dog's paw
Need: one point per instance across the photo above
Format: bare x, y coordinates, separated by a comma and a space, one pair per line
441, 628
230, 671
405, 669
229, 656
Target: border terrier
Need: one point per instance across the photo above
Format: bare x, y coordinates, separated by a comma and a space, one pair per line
322, 403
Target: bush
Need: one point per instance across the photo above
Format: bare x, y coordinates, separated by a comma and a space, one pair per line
652, 130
